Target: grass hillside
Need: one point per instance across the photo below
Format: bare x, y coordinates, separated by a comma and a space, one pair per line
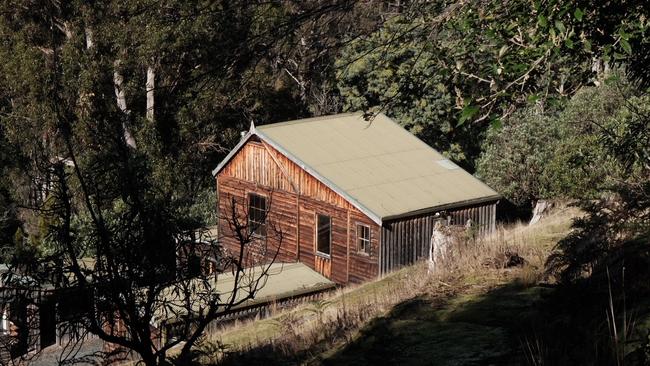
475, 310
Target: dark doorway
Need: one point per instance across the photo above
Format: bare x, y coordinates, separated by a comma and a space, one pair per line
47, 311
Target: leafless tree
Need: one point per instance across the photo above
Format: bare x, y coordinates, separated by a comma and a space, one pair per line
128, 298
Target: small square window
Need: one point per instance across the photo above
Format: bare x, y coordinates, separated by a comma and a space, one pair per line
257, 214
363, 238
324, 234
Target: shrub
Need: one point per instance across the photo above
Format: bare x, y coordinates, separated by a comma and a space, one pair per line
515, 157
557, 154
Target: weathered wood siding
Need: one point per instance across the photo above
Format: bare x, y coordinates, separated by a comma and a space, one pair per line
260, 163
483, 217
294, 198
406, 240
281, 234
363, 265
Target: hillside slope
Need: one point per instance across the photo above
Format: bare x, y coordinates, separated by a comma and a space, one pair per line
477, 310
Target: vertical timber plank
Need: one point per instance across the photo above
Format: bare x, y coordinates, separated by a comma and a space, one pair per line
347, 256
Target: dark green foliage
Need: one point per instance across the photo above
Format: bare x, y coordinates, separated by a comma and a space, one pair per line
9, 222
515, 156
607, 255
100, 172
620, 218
559, 154
447, 66
73, 184
444, 69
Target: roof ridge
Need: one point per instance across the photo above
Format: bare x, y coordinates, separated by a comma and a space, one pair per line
307, 120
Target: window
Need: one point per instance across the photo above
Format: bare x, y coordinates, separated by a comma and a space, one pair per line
324, 234
363, 238
257, 214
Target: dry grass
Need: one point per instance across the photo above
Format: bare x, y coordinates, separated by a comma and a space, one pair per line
531, 243
333, 319
311, 330
343, 303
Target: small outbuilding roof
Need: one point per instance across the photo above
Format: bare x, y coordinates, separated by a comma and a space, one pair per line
272, 282
377, 165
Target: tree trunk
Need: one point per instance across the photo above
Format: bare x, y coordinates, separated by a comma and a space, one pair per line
538, 212
150, 85
149, 359
118, 80
89, 38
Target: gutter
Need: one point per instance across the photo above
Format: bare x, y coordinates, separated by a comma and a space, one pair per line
470, 202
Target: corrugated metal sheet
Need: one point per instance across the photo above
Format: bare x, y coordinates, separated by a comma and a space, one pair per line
377, 163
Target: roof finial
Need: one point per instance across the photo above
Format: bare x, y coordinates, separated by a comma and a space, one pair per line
252, 128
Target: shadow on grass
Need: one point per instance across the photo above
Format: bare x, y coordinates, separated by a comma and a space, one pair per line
467, 330
486, 329
508, 325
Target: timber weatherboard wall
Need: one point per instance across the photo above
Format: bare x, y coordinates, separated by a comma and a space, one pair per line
406, 240
294, 198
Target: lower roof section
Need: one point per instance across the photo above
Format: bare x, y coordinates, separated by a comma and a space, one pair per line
274, 282
284, 280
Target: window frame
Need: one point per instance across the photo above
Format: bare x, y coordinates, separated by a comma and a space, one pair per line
368, 247
265, 211
317, 236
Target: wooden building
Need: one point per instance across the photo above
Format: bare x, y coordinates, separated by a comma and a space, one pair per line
33, 319
352, 199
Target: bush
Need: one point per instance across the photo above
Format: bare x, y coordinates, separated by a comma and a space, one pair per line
204, 209
515, 156
557, 154
620, 219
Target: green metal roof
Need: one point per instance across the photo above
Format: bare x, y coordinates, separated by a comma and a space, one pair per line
381, 168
